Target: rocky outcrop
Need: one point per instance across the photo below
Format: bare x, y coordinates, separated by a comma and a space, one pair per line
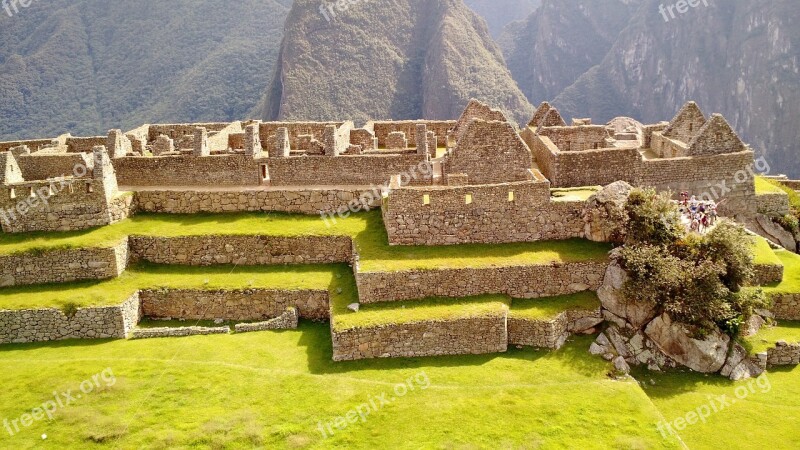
777, 233
604, 213
640, 334
636, 313
706, 355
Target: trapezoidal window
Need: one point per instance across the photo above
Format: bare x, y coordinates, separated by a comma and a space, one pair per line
264, 172
89, 188
426, 199
510, 196
31, 193
12, 194
468, 199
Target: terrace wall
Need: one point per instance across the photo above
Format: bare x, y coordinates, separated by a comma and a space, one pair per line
786, 306
784, 354
61, 266
36, 325
241, 250
772, 204
303, 201
247, 304
545, 333
469, 336
491, 217
515, 281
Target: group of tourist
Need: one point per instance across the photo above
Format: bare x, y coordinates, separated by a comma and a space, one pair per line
698, 215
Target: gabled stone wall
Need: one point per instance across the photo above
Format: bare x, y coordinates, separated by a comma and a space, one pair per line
439, 127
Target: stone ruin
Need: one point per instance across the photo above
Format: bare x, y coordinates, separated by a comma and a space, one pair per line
478, 179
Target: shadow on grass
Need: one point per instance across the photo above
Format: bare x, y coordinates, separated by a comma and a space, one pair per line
67, 343
316, 339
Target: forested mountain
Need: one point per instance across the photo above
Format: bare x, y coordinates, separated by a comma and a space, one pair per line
406, 59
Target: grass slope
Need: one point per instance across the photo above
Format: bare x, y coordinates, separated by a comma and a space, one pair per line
273, 389
367, 229
791, 274
549, 307
152, 276
767, 337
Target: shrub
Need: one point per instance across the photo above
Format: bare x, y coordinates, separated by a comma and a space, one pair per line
696, 279
789, 222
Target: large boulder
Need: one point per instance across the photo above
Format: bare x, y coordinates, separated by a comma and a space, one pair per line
777, 233
741, 366
675, 340
635, 312
604, 215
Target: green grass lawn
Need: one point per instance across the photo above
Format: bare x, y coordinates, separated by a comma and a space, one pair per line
765, 186
549, 307
366, 228
767, 337
763, 254
168, 225
273, 389
791, 274
573, 194
766, 417
153, 276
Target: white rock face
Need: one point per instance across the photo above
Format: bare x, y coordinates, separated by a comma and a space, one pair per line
605, 211
636, 313
674, 340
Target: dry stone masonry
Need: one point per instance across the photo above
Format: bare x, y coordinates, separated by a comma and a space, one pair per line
475, 180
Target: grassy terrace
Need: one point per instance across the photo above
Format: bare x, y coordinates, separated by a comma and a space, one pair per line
272, 390
768, 336
791, 274
152, 276
366, 228
764, 254
548, 308
765, 186
573, 194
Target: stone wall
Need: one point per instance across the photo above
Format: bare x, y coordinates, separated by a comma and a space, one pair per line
241, 250
772, 204
546, 333
295, 129
707, 175
515, 281
187, 170
470, 336
61, 266
304, 201
766, 274
33, 144
181, 130
358, 170
786, 306
511, 212
439, 127
246, 304
44, 165
577, 139
784, 354
84, 144
36, 325
489, 153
